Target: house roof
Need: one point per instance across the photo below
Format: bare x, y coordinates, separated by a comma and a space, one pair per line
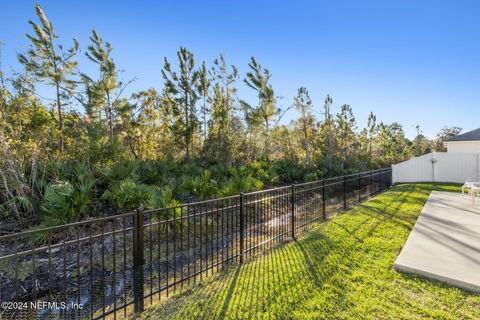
473, 135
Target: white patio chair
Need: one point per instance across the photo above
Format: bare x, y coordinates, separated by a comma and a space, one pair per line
471, 182
474, 192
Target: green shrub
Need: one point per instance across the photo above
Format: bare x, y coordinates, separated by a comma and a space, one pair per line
64, 202
127, 194
121, 171
68, 171
162, 198
155, 172
265, 171
189, 169
312, 176
240, 183
219, 171
27, 204
202, 186
289, 171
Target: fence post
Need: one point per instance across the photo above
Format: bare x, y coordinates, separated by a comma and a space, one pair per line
324, 214
359, 187
390, 178
344, 192
293, 211
371, 182
242, 228
382, 180
138, 260
378, 181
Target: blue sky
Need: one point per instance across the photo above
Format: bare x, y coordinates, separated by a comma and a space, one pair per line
414, 62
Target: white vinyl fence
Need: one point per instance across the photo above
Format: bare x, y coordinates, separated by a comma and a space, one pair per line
437, 167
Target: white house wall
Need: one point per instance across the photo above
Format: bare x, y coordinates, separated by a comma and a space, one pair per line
463, 146
437, 167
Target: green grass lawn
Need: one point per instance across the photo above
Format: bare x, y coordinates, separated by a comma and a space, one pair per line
342, 269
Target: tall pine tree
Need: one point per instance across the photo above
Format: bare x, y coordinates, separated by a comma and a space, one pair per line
183, 86
304, 105
49, 63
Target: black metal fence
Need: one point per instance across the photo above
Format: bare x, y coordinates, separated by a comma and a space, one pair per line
110, 267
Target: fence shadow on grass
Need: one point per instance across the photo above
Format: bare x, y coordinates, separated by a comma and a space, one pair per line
277, 283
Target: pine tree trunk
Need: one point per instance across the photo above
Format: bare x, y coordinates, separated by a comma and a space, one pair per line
204, 128
307, 152
267, 140
187, 129
110, 116
370, 153
329, 142
204, 120
307, 155
60, 118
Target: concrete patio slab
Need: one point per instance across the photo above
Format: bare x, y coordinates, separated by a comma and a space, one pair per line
444, 244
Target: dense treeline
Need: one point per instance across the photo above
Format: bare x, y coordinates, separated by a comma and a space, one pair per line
89, 149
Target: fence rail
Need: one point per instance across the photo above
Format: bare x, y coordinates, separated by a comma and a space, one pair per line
112, 266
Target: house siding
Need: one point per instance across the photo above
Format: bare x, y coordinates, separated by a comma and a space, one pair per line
463, 146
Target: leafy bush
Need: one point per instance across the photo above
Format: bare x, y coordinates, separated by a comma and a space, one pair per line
27, 204
290, 171
127, 194
264, 171
69, 196
219, 171
240, 183
202, 186
190, 169
162, 198
121, 171
155, 172
68, 171
312, 176
65, 202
